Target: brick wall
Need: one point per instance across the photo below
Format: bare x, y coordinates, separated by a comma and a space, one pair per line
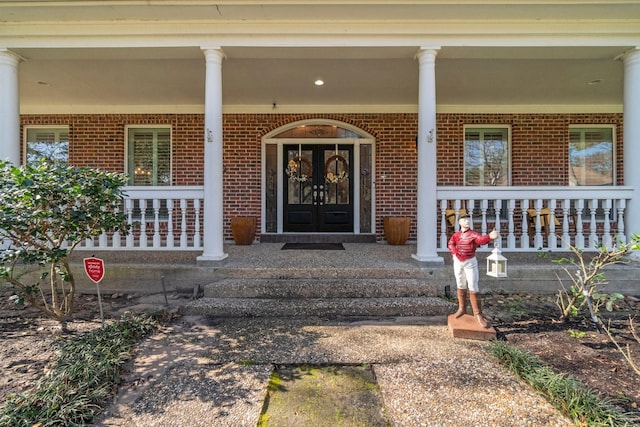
539, 145
98, 140
538, 151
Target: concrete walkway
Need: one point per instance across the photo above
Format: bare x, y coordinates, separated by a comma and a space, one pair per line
214, 372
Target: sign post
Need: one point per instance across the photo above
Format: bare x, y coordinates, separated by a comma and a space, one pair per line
94, 267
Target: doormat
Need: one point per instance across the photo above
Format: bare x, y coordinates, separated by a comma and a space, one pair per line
314, 246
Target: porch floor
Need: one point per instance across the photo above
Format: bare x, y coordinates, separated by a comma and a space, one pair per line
270, 255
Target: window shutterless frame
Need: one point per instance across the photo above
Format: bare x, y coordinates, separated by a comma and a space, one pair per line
149, 155
487, 155
592, 155
49, 142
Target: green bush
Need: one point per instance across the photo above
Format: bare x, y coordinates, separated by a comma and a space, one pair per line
46, 211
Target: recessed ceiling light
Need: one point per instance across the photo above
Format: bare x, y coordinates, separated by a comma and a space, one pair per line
319, 82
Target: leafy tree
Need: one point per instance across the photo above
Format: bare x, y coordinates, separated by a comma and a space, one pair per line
46, 210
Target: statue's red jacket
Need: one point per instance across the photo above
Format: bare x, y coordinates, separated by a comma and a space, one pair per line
463, 244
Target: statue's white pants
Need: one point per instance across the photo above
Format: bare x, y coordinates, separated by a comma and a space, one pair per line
466, 273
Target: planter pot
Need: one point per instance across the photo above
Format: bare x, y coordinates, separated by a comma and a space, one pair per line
243, 229
396, 229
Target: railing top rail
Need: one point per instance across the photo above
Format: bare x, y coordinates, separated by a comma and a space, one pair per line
164, 192
525, 192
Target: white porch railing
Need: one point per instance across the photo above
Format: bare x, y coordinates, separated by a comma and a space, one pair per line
528, 218
532, 218
161, 218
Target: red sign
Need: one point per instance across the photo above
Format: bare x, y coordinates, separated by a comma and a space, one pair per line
94, 267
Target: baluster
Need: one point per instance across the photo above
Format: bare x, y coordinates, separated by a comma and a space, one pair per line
88, 242
621, 236
566, 209
143, 223
456, 208
511, 238
115, 236
128, 205
593, 236
484, 206
170, 242
538, 240
606, 227
196, 231
579, 226
443, 224
553, 239
183, 223
525, 238
156, 223
103, 240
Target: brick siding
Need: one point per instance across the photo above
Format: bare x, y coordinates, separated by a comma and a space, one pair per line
539, 150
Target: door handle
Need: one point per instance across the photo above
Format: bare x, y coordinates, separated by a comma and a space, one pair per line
315, 194
322, 195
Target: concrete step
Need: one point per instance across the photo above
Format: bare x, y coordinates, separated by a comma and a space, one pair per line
302, 271
299, 288
328, 297
320, 307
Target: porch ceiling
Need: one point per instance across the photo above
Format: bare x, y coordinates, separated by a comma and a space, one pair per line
360, 77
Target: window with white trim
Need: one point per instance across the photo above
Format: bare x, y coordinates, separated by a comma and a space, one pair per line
486, 156
49, 143
149, 155
591, 155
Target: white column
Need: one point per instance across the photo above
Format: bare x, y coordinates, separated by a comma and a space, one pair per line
632, 138
213, 236
9, 107
427, 212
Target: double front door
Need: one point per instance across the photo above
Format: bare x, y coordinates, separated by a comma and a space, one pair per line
318, 194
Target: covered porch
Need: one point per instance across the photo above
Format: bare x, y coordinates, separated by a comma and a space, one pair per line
216, 79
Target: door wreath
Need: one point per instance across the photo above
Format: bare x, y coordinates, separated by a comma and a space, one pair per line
342, 167
295, 169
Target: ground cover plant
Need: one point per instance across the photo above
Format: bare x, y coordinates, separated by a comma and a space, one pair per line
582, 404
85, 372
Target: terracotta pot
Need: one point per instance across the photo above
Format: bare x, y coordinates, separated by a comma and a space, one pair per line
396, 229
243, 229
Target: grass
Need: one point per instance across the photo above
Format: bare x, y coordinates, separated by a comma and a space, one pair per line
86, 371
566, 394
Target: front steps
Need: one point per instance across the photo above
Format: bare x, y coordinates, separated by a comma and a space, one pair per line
354, 297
